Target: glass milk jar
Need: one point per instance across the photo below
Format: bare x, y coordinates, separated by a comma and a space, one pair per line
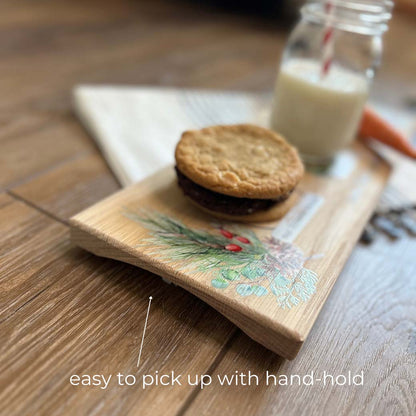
325, 74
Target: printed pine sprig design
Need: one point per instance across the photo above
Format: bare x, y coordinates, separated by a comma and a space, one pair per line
236, 257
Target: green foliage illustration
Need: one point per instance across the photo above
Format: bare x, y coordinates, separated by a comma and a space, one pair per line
235, 256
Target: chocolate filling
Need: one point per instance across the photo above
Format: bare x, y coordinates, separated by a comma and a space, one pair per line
231, 205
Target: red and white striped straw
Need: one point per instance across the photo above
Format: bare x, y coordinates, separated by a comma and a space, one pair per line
328, 39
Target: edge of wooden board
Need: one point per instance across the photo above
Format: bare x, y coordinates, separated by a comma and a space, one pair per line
274, 335
285, 341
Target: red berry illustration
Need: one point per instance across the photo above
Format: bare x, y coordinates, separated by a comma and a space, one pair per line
243, 240
226, 233
233, 247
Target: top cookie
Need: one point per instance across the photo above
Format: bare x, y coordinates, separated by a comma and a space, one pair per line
242, 160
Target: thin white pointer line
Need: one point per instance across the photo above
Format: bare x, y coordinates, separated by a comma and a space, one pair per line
144, 331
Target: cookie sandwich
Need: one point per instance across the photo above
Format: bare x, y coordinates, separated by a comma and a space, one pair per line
239, 172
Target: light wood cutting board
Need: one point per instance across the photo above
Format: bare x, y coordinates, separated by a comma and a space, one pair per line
275, 286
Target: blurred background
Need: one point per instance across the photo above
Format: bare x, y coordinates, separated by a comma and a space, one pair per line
48, 46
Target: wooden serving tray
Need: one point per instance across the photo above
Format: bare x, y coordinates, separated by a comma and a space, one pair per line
270, 279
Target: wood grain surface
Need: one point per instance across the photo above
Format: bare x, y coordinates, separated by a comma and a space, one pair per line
71, 186
105, 230
382, 346
64, 311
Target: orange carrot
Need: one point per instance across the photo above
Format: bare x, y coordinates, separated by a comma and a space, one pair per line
372, 125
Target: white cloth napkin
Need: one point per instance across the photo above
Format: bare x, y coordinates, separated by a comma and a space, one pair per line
137, 128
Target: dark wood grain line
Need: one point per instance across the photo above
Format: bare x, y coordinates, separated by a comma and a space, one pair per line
36, 207
31, 242
70, 187
221, 354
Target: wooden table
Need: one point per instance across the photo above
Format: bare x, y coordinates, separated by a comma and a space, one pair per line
64, 311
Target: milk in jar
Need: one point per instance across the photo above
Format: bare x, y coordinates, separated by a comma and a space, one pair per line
318, 114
